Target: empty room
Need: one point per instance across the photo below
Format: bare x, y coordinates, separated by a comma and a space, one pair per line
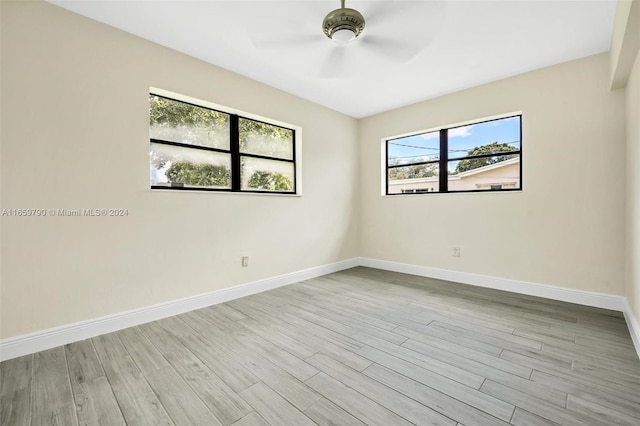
320, 212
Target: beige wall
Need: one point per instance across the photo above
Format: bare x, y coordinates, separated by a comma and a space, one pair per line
74, 114
625, 42
566, 228
75, 135
633, 189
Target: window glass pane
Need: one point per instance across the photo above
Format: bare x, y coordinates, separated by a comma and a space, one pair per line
413, 179
486, 173
484, 138
175, 121
265, 139
413, 149
176, 166
266, 175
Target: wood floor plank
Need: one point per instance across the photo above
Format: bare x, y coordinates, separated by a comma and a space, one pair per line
52, 398
16, 377
179, 400
326, 413
603, 383
354, 320
535, 405
251, 419
144, 354
272, 407
278, 379
524, 418
283, 359
573, 350
175, 326
620, 335
254, 310
221, 400
313, 343
437, 333
353, 402
497, 338
109, 347
96, 404
322, 321
453, 318
376, 391
536, 360
277, 335
599, 412
625, 403
449, 406
15, 407
597, 385
544, 333
292, 389
16, 374
228, 312
621, 365
83, 361
389, 336
468, 359
358, 316
137, 401
163, 340
459, 375
615, 375
452, 388
321, 332
211, 317
221, 363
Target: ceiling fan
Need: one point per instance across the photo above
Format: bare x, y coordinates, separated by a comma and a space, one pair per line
343, 25
388, 39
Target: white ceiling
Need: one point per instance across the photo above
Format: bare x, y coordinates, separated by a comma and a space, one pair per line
409, 51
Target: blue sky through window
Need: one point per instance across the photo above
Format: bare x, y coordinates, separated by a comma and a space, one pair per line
426, 146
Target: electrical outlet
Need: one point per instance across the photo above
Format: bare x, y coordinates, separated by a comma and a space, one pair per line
245, 261
456, 252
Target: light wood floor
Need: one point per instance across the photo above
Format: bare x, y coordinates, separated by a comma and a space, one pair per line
357, 347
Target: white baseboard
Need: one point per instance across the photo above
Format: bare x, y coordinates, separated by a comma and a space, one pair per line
581, 297
634, 326
46, 339
14, 347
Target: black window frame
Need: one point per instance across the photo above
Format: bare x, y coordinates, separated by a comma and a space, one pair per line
233, 151
443, 159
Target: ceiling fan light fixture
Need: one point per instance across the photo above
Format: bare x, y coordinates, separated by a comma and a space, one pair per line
343, 36
343, 25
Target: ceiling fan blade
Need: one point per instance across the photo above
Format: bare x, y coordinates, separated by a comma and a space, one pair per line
384, 12
391, 18
271, 40
296, 24
332, 66
391, 49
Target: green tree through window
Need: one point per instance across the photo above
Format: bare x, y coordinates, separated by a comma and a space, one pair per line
271, 181
475, 163
192, 146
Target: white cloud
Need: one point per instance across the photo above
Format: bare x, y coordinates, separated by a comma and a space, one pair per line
431, 135
460, 132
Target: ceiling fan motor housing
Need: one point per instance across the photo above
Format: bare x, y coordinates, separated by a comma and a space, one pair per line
343, 19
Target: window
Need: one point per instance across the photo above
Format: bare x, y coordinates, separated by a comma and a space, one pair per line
483, 156
199, 148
